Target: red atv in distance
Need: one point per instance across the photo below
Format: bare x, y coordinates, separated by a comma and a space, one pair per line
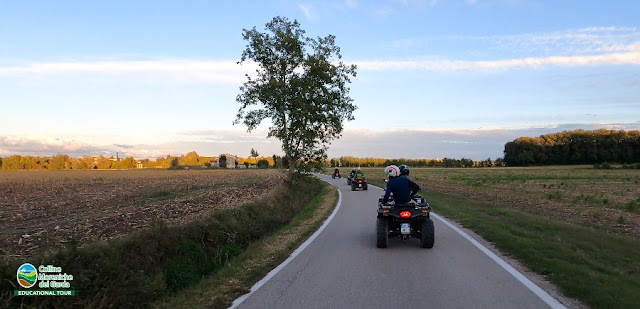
336, 174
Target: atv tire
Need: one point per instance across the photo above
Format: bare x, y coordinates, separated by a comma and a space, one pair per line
382, 233
428, 234
364, 186
353, 186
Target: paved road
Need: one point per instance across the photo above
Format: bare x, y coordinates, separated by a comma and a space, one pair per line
342, 268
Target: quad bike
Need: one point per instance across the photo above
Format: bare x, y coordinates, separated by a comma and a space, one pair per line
336, 174
350, 177
405, 221
359, 182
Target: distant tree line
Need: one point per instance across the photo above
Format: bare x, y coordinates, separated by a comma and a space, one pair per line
575, 147
349, 161
191, 159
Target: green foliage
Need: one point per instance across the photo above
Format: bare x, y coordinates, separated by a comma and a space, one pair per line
254, 154
263, 163
301, 87
575, 147
222, 161
190, 159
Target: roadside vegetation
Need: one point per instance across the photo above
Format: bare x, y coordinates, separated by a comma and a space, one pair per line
155, 263
236, 279
576, 226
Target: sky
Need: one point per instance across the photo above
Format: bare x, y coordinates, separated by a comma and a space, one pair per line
435, 78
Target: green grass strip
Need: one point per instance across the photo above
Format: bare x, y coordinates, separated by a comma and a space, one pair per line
599, 269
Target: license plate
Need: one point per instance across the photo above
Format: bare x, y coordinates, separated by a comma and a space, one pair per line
359, 185
405, 228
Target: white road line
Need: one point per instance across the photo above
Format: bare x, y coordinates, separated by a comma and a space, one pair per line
293, 255
552, 302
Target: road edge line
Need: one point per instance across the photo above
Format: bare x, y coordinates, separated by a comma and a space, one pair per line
542, 294
238, 301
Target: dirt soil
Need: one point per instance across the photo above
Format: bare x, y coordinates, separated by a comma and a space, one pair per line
47, 210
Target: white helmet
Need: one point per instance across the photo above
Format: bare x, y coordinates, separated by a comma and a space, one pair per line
392, 171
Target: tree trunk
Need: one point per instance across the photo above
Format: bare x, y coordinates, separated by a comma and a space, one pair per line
292, 170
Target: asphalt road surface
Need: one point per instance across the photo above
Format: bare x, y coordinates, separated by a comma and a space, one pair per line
342, 268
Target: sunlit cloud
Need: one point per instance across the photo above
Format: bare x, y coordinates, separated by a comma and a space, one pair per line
46, 145
475, 144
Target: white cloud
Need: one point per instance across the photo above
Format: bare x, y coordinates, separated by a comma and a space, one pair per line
582, 47
587, 40
214, 72
306, 10
476, 144
629, 58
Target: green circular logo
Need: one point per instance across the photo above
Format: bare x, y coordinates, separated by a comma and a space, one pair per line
27, 275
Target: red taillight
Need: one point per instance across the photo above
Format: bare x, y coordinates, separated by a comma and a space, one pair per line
405, 214
359, 181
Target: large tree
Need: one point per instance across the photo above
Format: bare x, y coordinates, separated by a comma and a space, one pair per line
301, 85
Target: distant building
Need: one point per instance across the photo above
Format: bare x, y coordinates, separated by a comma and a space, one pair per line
232, 161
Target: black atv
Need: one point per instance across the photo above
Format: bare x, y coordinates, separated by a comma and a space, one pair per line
405, 221
350, 176
357, 181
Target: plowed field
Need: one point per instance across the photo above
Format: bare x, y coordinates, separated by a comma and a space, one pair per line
48, 210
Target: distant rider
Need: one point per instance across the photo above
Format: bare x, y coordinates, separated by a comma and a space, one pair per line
401, 187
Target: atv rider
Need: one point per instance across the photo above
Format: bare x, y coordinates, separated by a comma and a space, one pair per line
401, 187
404, 170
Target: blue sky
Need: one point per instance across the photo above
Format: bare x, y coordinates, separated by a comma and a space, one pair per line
435, 78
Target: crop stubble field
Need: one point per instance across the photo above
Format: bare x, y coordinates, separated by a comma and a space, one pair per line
47, 210
605, 198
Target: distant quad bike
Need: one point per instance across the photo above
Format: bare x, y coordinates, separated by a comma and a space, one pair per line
350, 176
336, 174
405, 221
357, 181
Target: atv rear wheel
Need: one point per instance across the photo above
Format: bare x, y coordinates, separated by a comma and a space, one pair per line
364, 186
382, 233
428, 234
353, 186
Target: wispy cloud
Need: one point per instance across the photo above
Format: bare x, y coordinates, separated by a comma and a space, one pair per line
574, 41
306, 10
581, 47
630, 58
214, 72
